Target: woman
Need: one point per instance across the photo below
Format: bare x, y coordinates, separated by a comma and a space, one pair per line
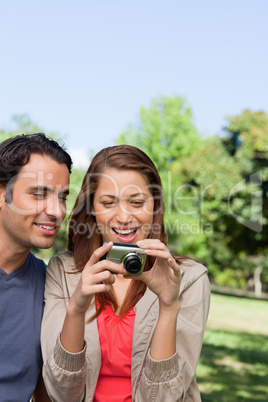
108, 335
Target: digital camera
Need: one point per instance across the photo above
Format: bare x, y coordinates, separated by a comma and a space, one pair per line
131, 256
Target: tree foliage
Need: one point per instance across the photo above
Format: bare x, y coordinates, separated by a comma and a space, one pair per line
22, 124
234, 170
165, 131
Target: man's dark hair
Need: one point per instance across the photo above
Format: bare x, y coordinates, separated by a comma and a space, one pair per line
15, 152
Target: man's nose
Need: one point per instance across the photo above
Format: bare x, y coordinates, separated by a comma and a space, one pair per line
55, 207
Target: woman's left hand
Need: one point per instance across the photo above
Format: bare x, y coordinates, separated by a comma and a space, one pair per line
164, 277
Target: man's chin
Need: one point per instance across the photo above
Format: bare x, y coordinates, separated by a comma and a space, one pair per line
44, 244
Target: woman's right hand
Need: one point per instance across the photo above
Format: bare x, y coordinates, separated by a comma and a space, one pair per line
95, 272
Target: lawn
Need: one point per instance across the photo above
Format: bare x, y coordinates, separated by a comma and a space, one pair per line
234, 360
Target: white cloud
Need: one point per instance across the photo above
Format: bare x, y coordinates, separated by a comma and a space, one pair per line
80, 157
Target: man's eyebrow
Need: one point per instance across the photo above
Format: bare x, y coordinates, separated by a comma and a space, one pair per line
40, 188
48, 189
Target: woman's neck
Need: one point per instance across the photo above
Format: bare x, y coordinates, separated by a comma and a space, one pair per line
120, 288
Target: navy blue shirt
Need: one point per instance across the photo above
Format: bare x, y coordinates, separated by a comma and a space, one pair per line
21, 310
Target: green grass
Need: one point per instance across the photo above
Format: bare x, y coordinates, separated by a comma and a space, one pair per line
234, 361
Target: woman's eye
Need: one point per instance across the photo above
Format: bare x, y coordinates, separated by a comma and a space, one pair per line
108, 204
138, 203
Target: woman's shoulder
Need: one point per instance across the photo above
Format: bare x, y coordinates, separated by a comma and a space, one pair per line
62, 269
191, 272
63, 259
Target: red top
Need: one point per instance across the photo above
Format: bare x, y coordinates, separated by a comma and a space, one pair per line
114, 383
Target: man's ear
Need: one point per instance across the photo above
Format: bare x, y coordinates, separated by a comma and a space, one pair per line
2, 196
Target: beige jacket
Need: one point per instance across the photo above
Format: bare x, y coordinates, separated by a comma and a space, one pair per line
73, 377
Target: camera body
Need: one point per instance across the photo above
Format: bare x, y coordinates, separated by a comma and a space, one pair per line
131, 256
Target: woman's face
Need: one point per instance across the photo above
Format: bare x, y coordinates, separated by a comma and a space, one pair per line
123, 206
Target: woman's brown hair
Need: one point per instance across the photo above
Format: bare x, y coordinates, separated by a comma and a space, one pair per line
84, 236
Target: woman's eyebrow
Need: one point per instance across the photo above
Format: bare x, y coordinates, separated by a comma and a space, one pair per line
130, 196
138, 194
107, 195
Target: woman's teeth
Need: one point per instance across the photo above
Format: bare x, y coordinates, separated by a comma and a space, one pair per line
124, 232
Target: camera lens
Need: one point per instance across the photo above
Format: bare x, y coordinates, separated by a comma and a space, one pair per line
132, 263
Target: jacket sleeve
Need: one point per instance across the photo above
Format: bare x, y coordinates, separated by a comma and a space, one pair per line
64, 373
173, 380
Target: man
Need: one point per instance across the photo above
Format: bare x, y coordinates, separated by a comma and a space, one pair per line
34, 184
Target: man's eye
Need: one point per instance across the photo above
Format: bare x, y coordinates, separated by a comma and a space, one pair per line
63, 198
39, 195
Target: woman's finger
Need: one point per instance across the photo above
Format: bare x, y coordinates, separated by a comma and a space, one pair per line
106, 276
173, 264
154, 244
165, 254
99, 253
106, 265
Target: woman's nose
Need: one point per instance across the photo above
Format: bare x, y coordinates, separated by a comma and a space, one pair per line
123, 215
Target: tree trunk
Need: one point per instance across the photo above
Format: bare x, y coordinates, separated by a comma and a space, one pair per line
257, 281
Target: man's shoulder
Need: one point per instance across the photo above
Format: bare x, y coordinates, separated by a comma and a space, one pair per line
36, 262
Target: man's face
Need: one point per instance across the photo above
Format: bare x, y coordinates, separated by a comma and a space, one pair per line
38, 205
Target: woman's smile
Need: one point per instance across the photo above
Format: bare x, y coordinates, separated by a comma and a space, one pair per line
126, 235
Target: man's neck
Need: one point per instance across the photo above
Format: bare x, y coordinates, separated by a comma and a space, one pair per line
11, 259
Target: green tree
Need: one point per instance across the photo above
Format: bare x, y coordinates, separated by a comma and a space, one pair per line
233, 170
165, 131
249, 132
22, 124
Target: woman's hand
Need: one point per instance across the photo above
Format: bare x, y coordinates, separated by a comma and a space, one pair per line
164, 280
92, 277
90, 283
165, 276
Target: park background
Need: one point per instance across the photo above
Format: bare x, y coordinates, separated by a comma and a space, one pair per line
187, 83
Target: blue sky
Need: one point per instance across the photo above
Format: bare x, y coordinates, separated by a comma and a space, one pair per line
84, 68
